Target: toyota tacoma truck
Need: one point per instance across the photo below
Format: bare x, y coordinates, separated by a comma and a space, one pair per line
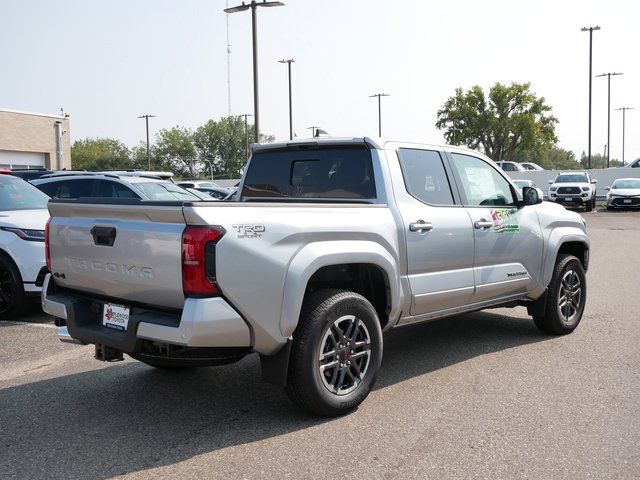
331, 243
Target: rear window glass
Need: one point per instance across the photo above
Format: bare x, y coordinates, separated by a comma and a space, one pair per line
340, 173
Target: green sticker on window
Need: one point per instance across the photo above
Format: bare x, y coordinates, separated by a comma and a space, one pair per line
505, 221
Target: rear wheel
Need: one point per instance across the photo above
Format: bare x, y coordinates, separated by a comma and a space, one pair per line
13, 301
566, 297
336, 353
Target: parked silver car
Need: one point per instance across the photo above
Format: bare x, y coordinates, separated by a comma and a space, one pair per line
624, 193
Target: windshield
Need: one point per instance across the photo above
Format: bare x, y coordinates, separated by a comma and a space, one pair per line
628, 183
164, 191
16, 194
572, 178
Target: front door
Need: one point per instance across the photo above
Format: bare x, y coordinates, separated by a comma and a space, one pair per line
438, 232
508, 238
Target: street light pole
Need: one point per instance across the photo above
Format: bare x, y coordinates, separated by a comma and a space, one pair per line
590, 30
289, 62
608, 75
246, 135
379, 95
254, 35
624, 115
313, 130
146, 118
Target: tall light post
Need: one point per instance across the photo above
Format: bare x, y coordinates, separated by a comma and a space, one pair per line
624, 115
289, 62
254, 35
590, 30
146, 118
608, 75
379, 95
246, 135
313, 130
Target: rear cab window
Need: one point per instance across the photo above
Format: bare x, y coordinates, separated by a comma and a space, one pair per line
343, 172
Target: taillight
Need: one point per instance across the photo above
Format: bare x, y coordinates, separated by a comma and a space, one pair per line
199, 261
47, 244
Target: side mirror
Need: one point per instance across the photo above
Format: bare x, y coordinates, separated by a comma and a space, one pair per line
594, 181
550, 182
531, 195
607, 188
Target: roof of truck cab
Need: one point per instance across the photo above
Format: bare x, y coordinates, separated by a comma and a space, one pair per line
373, 142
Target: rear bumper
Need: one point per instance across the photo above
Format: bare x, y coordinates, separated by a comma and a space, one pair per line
204, 322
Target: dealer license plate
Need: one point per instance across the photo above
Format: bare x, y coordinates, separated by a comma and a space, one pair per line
115, 316
568, 199
626, 201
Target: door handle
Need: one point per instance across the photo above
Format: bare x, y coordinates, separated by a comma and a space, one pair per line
105, 236
479, 224
421, 226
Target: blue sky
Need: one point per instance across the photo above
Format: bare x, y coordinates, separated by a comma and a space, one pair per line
108, 62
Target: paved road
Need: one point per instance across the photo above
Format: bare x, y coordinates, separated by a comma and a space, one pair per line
480, 396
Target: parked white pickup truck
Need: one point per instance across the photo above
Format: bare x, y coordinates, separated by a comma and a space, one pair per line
332, 243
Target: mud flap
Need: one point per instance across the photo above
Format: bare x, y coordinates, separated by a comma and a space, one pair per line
275, 367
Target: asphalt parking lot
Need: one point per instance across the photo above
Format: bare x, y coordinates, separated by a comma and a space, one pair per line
480, 396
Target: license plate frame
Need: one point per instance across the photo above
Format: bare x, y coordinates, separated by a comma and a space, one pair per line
116, 316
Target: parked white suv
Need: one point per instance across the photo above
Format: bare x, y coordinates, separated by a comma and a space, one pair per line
577, 188
23, 216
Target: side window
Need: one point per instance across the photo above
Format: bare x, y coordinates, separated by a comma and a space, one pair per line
122, 191
75, 188
50, 188
482, 185
104, 189
425, 177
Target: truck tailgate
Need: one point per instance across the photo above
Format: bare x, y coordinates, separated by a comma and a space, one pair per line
122, 252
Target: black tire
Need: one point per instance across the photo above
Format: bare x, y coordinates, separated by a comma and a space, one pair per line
557, 321
13, 301
588, 206
609, 208
307, 386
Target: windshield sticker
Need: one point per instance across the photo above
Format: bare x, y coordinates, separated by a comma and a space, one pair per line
504, 220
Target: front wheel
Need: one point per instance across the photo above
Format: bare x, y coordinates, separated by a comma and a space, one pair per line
566, 297
589, 206
336, 353
13, 301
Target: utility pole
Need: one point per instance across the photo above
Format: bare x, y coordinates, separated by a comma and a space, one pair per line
624, 115
289, 62
254, 35
379, 95
146, 119
608, 75
246, 135
228, 63
590, 30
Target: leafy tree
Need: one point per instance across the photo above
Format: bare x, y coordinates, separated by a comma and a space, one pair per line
100, 154
509, 120
598, 161
221, 145
176, 150
551, 158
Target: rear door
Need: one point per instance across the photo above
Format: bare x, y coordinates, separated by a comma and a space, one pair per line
437, 228
508, 238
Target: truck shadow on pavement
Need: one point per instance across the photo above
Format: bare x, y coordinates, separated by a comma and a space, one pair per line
129, 417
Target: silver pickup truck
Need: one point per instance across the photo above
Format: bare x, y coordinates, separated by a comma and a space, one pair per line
331, 243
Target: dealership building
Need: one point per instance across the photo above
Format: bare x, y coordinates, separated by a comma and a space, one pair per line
34, 140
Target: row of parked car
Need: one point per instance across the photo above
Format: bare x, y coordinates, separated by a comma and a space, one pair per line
23, 216
530, 166
578, 188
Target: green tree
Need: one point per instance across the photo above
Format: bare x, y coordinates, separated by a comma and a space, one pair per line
509, 120
175, 150
100, 154
221, 145
598, 161
551, 158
